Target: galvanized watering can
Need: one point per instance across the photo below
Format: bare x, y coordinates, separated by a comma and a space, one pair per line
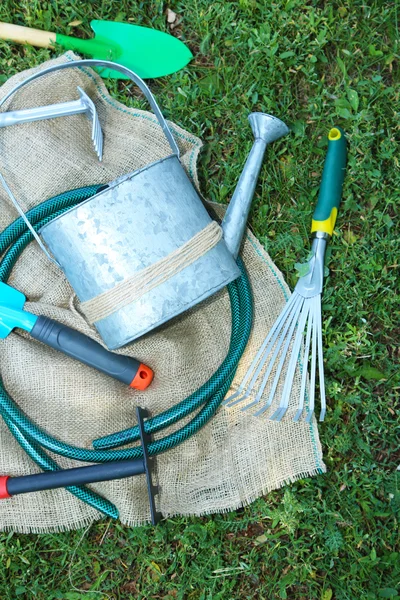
151, 226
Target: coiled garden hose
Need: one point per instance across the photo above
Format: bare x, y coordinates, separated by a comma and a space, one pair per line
207, 398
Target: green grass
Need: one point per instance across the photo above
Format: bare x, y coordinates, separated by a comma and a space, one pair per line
314, 64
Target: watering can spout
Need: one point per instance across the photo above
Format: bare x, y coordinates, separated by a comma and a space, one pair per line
266, 129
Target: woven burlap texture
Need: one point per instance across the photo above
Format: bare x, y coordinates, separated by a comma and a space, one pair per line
230, 462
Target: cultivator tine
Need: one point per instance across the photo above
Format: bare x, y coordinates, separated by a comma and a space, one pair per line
285, 337
285, 323
91, 113
276, 341
289, 318
311, 406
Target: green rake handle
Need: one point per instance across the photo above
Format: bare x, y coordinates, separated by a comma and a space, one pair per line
330, 193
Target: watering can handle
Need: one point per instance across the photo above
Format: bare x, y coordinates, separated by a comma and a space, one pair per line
109, 65
88, 63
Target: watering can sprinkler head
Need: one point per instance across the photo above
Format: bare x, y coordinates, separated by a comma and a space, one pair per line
266, 129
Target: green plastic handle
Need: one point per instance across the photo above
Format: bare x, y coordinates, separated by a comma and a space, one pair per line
92, 47
330, 193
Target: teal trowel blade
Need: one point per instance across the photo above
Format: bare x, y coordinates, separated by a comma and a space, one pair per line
11, 314
148, 52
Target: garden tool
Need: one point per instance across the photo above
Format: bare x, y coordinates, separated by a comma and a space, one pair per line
145, 249
109, 471
285, 343
68, 341
84, 105
148, 52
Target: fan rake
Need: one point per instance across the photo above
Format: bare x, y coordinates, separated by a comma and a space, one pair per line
296, 336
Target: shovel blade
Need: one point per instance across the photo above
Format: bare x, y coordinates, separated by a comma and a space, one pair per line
148, 52
9, 298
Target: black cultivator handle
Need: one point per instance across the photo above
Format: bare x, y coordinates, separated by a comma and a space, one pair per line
12, 486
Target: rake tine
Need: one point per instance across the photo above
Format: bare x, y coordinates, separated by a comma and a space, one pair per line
256, 360
96, 133
283, 359
94, 130
321, 363
99, 134
313, 363
305, 367
294, 356
290, 324
94, 136
264, 348
91, 113
284, 320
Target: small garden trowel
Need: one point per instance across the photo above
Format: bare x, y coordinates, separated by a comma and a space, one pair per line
69, 341
148, 52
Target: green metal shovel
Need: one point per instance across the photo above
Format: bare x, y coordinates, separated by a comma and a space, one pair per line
148, 52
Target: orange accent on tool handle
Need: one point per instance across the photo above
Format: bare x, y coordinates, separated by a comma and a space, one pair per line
3, 487
143, 378
126, 369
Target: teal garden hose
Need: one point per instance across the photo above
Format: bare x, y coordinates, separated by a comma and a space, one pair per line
207, 398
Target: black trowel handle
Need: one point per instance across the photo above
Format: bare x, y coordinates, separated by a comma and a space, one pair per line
79, 346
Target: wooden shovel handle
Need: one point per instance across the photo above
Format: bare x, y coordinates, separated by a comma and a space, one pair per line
26, 35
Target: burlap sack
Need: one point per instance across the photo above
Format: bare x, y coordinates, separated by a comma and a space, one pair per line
231, 461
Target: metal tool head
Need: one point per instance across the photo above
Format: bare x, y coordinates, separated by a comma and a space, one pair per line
10, 298
311, 284
91, 113
294, 340
64, 109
